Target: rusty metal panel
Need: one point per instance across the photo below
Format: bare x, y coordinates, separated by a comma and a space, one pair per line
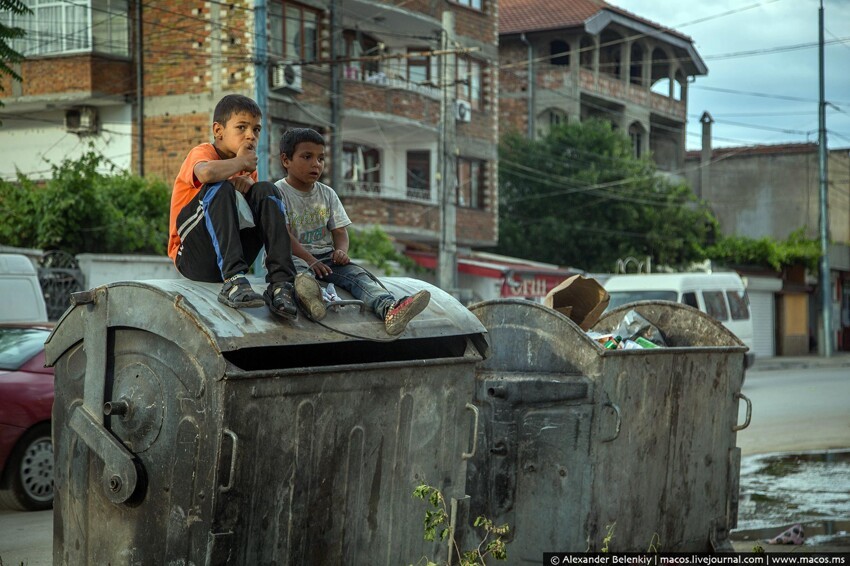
171, 448
656, 456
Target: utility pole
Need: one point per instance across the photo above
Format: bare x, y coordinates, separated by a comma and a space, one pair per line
261, 95
825, 277
336, 95
447, 256
140, 91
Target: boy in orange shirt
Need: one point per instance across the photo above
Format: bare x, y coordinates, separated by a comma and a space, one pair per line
205, 240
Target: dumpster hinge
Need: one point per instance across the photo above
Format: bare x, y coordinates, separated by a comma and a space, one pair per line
120, 473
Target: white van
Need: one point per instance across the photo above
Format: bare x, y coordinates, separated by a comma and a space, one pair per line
19, 280
722, 296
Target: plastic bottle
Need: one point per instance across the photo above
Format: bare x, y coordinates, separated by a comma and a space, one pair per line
613, 343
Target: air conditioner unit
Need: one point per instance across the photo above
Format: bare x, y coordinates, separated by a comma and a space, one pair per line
286, 76
82, 120
463, 111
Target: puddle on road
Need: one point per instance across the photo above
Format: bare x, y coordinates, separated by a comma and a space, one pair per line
779, 490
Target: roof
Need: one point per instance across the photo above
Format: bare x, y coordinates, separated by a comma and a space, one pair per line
770, 149
518, 16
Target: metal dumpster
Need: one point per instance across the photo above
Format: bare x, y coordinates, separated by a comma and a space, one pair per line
186, 432
575, 437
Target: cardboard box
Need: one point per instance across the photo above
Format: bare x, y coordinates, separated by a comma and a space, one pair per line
581, 298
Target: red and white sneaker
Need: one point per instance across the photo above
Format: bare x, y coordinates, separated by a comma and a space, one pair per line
404, 310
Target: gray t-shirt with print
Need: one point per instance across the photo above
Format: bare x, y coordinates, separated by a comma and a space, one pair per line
313, 214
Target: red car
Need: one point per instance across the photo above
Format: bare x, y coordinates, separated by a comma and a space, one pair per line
26, 401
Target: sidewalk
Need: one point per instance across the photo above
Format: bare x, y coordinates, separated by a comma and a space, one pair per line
837, 360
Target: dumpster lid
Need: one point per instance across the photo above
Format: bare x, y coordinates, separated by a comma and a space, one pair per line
172, 306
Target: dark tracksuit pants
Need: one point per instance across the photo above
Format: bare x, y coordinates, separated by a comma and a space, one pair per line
213, 248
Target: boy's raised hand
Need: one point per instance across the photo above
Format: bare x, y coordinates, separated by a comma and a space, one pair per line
249, 156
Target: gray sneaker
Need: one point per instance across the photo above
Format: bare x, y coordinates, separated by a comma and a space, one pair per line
309, 294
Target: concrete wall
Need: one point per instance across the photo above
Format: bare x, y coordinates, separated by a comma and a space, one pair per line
774, 190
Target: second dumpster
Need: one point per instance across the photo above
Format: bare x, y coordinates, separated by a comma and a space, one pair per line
190, 433
579, 443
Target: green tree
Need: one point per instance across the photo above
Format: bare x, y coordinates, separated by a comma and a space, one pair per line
578, 197
767, 253
9, 56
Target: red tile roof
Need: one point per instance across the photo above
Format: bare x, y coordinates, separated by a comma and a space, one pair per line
517, 16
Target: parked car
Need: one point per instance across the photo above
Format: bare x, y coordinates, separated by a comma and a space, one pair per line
26, 402
19, 279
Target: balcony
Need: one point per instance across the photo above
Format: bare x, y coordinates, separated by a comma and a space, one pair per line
391, 79
378, 190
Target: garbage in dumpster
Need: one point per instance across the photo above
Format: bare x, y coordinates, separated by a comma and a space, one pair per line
580, 298
634, 325
634, 332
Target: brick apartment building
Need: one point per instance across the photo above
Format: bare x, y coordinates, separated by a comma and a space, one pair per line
94, 67
572, 60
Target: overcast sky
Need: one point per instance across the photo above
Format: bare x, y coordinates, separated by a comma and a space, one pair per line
781, 73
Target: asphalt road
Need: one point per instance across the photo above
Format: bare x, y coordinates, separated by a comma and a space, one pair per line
796, 410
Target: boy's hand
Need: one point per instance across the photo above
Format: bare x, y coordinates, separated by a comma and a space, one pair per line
340, 257
242, 183
247, 151
319, 268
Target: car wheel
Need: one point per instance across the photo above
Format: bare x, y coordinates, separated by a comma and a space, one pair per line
31, 472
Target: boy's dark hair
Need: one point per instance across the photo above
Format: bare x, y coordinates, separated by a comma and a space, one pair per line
293, 136
233, 103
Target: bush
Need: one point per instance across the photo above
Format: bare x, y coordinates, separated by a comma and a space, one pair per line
80, 209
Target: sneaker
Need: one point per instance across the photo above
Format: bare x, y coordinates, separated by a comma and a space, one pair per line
310, 296
278, 297
238, 294
404, 310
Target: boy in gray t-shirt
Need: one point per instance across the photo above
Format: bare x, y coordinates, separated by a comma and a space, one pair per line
317, 223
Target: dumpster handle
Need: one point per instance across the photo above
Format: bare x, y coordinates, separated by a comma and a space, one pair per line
740, 395
229, 486
468, 455
619, 420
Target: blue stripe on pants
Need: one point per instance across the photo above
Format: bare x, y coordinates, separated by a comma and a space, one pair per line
212, 190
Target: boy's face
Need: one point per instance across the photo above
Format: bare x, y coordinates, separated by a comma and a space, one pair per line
241, 129
305, 166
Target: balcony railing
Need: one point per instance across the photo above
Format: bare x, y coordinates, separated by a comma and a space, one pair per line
372, 189
390, 79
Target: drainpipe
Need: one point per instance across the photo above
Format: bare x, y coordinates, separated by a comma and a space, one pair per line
530, 86
705, 155
140, 92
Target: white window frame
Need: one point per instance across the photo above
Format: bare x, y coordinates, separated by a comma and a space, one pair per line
60, 28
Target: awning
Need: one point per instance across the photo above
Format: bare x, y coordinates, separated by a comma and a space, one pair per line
520, 278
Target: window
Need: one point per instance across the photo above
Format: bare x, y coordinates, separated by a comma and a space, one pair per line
738, 305
294, 31
100, 26
636, 138
715, 305
690, 299
418, 67
474, 4
361, 167
559, 52
469, 81
359, 44
470, 182
419, 174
